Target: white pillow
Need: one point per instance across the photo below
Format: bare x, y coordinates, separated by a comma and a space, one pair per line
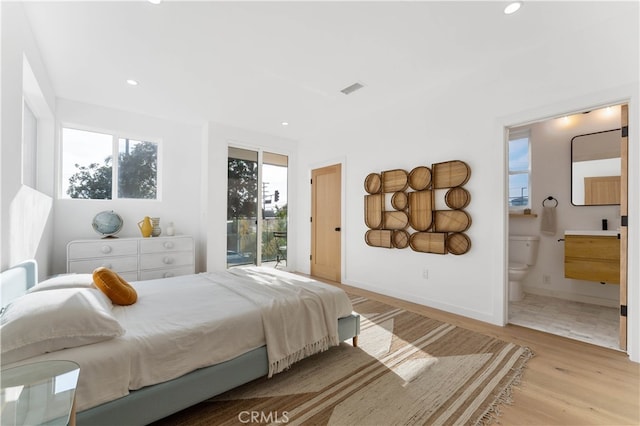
47, 321
65, 281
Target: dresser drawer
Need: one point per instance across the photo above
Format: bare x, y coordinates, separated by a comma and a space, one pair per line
118, 264
129, 276
166, 260
134, 258
103, 248
166, 273
159, 245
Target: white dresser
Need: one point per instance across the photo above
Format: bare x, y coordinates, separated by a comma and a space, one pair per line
135, 259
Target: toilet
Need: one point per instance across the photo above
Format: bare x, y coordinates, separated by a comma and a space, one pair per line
523, 252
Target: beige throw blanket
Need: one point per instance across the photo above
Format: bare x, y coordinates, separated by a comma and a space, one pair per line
299, 315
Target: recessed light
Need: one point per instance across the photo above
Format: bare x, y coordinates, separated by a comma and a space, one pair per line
512, 7
132, 82
285, 123
155, 1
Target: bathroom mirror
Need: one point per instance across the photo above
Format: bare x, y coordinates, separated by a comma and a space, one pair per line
595, 169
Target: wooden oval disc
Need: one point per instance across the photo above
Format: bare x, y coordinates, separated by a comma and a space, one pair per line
451, 220
394, 180
395, 220
373, 210
458, 243
450, 174
420, 211
373, 183
378, 238
420, 178
400, 239
457, 198
399, 200
428, 242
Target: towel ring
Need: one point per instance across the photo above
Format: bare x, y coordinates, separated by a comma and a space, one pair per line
550, 198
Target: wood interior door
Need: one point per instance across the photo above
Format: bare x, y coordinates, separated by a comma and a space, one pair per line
326, 213
624, 153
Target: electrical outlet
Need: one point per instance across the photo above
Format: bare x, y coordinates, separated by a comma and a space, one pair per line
546, 279
425, 273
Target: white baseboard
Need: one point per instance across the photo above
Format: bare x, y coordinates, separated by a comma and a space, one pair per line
610, 303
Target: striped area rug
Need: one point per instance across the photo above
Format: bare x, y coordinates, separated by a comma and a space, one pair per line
407, 369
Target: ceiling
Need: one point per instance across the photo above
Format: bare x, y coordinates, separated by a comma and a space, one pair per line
256, 64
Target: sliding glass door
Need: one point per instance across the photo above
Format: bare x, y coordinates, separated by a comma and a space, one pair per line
242, 202
274, 211
256, 208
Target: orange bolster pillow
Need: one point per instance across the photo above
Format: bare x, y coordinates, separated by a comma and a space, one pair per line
114, 286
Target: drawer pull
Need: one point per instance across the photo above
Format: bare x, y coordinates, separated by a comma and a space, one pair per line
168, 274
168, 244
106, 249
167, 260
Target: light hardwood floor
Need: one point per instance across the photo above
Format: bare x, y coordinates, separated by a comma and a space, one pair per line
567, 382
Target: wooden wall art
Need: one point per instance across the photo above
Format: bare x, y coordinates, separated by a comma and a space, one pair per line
413, 220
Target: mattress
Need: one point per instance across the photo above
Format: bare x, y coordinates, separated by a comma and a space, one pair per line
178, 325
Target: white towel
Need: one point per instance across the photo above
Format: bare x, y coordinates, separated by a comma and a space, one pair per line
548, 222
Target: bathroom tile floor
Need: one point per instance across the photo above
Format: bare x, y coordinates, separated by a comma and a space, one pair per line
580, 321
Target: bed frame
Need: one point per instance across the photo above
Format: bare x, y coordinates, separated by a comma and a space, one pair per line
155, 402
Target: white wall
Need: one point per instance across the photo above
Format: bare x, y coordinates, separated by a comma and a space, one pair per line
465, 120
180, 201
551, 176
26, 214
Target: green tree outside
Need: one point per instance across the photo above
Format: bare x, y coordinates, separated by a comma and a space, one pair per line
137, 176
92, 181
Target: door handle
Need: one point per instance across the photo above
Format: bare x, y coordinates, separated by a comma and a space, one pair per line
337, 229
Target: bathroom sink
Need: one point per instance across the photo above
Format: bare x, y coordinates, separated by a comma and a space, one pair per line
609, 233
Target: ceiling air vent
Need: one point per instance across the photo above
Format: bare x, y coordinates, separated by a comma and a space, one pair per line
350, 89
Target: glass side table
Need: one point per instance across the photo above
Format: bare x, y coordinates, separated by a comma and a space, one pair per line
41, 393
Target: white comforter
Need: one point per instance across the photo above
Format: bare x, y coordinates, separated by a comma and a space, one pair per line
183, 323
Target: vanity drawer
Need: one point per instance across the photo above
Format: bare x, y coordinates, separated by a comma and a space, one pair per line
102, 248
159, 245
592, 247
592, 258
605, 272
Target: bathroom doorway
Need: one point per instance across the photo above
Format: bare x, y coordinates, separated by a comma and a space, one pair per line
543, 173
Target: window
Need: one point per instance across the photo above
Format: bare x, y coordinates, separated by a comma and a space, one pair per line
519, 169
88, 170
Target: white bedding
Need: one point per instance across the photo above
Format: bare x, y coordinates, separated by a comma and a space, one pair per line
178, 324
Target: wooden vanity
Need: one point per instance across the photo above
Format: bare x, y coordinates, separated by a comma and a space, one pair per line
592, 256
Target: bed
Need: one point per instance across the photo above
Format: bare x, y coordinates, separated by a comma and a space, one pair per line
174, 349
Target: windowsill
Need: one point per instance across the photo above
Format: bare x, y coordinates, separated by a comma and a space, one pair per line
520, 214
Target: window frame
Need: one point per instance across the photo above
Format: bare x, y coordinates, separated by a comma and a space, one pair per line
29, 146
115, 166
512, 136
